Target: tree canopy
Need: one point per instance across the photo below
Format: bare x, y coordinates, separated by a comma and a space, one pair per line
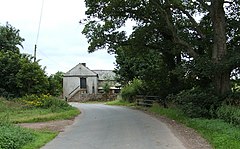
10, 39
56, 83
193, 42
20, 75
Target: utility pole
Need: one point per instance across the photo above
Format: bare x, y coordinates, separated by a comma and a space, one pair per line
39, 25
35, 53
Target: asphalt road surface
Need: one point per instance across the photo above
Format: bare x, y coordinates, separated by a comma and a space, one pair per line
112, 127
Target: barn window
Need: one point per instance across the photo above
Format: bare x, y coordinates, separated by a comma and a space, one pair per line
83, 83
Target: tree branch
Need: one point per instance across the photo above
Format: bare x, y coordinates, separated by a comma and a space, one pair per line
171, 27
206, 6
195, 24
189, 49
228, 2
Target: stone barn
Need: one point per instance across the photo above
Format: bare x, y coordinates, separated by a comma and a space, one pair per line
82, 84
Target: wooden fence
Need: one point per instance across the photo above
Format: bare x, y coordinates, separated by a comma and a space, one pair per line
148, 101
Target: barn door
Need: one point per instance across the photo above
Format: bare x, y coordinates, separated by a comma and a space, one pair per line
83, 83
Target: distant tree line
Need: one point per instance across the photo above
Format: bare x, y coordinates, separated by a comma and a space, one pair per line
20, 75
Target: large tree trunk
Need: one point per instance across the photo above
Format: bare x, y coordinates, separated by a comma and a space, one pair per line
222, 77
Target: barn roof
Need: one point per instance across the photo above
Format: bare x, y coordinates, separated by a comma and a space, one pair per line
105, 74
80, 70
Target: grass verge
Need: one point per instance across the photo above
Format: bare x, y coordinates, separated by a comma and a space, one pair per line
221, 135
41, 115
16, 112
41, 138
12, 136
120, 102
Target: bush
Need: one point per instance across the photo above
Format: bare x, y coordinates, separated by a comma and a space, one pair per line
198, 102
129, 91
33, 100
45, 101
230, 114
14, 137
106, 88
55, 104
230, 111
233, 99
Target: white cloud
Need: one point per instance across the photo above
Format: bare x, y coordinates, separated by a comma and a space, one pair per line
61, 45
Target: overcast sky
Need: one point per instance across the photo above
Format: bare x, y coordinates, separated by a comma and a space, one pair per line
60, 45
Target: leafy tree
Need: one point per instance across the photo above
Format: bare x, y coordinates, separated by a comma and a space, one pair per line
19, 75
126, 65
169, 27
56, 83
10, 39
150, 68
9, 66
31, 78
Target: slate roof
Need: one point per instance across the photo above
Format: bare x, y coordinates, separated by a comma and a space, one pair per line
105, 74
102, 74
80, 70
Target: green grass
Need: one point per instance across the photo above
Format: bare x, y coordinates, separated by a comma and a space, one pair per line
41, 115
12, 137
174, 114
41, 138
120, 103
221, 135
18, 113
15, 137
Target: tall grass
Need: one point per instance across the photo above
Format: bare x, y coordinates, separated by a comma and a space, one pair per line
221, 135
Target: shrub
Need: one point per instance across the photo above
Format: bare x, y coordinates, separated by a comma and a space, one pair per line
229, 111
55, 104
33, 100
230, 114
198, 102
129, 91
45, 101
106, 88
233, 99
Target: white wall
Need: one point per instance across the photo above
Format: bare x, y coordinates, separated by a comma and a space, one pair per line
70, 83
92, 81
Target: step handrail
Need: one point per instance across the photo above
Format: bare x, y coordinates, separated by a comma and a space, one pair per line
74, 90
